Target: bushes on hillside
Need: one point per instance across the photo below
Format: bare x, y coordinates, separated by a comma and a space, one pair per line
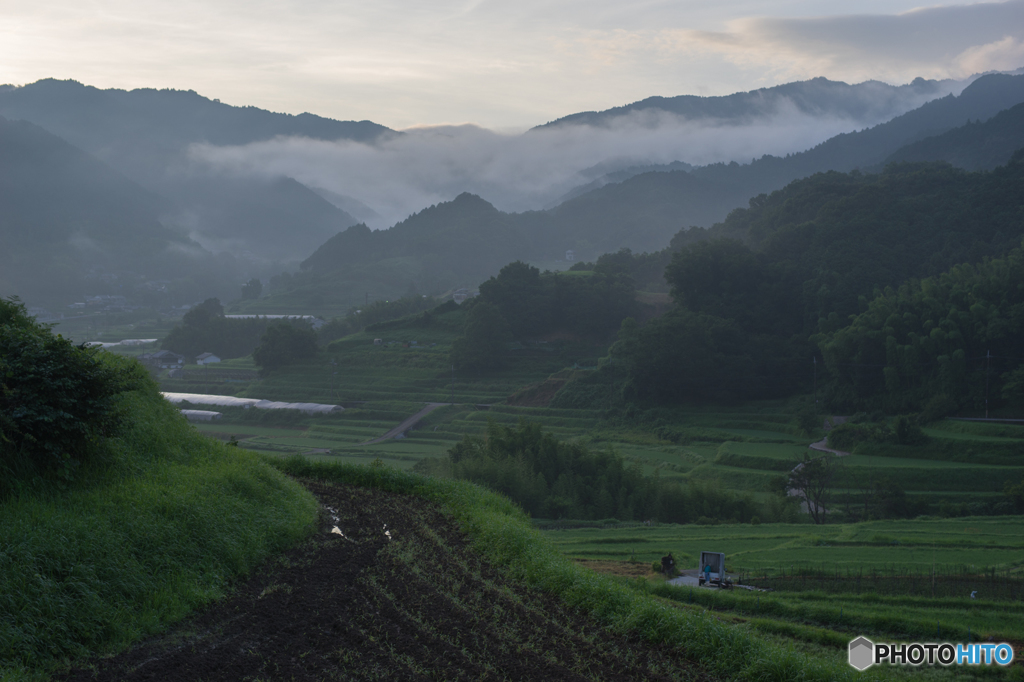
57, 400
959, 334
205, 329
553, 479
526, 304
283, 344
902, 430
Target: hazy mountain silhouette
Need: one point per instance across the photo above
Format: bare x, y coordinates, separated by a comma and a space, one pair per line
66, 217
468, 239
705, 195
868, 103
979, 145
146, 135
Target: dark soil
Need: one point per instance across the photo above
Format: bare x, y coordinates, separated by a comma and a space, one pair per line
419, 606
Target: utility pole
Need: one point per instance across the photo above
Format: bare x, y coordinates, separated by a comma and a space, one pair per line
988, 358
452, 398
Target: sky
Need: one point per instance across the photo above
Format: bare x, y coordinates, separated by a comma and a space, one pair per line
498, 64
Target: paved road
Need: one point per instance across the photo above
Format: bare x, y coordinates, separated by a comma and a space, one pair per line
407, 424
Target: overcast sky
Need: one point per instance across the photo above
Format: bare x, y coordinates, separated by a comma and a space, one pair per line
497, 63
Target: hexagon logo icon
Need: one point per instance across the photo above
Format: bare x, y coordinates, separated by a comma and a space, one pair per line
862, 652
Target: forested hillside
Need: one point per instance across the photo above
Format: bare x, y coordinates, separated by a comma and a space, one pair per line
952, 340
979, 145
751, 296
66, 218
146, 134
462, 242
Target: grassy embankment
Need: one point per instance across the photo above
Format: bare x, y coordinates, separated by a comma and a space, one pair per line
159, 527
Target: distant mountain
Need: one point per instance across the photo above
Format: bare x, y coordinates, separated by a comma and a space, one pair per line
129, 129
72, 226
278, 219
460, 243
979, 145
467, 235
146, 135
724, 187
867, 103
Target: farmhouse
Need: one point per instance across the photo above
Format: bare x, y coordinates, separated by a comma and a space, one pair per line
206, 359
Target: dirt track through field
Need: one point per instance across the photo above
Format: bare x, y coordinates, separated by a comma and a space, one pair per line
421, 605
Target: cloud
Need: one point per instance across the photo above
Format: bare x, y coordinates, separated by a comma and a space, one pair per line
1001, 55
935, 42
427, 165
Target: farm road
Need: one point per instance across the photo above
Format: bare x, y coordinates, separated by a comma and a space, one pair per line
353, 602
407, 424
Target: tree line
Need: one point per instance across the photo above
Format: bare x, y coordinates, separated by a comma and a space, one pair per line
554, 479
763, 301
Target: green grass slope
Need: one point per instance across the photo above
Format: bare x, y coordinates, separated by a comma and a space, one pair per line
160, 527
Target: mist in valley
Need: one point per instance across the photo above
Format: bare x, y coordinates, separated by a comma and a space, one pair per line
398, 175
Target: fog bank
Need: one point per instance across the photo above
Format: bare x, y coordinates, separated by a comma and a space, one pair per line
515, 172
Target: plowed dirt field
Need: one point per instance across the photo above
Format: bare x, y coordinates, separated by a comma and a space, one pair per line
418, 605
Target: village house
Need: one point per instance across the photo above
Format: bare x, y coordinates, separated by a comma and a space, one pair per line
206, 359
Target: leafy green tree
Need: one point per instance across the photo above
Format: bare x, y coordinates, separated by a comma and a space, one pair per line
483, 344
57, 400
284, 344
812, 480
204, 329
252, 289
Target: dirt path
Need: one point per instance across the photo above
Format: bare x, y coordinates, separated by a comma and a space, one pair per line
820, 446
359, 604
407, 424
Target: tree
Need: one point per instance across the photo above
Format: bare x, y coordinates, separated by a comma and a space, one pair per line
204, 312
57, 400
483, 343
252, 289
283, 344
812, 480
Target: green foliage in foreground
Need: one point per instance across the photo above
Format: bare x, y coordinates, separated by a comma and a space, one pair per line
158, 527
502, 533
57, 400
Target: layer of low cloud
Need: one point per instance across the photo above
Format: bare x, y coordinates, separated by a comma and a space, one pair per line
428, 165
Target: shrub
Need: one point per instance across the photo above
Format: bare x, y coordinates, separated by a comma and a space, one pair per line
57, 400
936, 408
283, 344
